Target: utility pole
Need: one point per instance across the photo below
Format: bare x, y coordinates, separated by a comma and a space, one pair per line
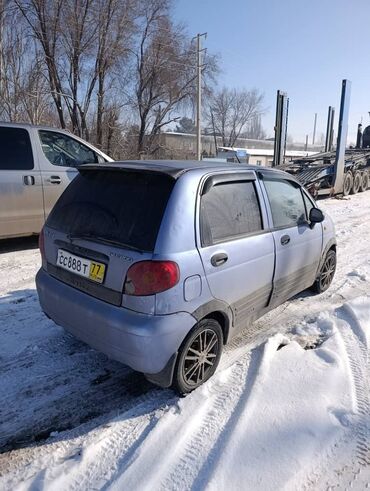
199, 93
306, 145
314, 130
2, 15
214, 133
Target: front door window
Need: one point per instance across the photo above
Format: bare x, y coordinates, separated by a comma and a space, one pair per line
63, 150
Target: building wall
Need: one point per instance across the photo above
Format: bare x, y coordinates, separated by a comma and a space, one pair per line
183, 146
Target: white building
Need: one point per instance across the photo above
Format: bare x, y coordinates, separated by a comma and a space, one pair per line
256, 156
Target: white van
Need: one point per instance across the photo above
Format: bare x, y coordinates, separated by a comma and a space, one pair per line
36, 165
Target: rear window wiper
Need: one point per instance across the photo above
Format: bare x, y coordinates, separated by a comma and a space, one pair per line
103, 240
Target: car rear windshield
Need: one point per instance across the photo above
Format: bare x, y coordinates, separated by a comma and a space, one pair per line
125, 207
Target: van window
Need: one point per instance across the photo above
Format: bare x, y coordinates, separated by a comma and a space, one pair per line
125, 207
64, 151
286, 202
228, 211
15, 149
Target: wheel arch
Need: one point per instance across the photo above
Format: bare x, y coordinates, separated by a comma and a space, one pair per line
218, 311
330, 246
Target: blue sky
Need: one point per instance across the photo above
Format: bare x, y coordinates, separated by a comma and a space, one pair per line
303, 47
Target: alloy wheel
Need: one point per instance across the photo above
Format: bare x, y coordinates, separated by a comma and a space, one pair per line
327, 272
200, 357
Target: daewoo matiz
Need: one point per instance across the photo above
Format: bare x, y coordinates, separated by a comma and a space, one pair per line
160, 264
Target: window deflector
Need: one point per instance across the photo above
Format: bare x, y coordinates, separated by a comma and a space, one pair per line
226, 178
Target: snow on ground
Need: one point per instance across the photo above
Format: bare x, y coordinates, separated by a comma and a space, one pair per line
288, 408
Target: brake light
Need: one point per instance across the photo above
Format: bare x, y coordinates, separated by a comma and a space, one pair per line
150, 277
42, 244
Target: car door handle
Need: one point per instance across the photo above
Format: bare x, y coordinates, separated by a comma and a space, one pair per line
55, 180
28, 180
219, 259
285, 240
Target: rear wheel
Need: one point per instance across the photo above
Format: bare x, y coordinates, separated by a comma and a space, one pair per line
347, 184
327, 271
199, 356
356, 182
364, 181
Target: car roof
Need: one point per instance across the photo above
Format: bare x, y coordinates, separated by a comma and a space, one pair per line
38, 127
175, 168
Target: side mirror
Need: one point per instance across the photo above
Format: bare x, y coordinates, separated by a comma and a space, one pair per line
316, 216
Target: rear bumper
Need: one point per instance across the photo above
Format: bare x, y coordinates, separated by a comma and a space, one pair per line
143, 342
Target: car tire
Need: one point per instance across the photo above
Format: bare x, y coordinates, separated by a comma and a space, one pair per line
326, 274
364, 181
198, 356
356, 182
347, 183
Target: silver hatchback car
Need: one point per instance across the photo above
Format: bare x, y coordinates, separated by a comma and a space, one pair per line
160, 264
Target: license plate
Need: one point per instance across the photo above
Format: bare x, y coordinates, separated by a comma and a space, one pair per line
79, 265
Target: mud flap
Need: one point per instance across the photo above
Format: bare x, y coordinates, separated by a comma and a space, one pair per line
165, 376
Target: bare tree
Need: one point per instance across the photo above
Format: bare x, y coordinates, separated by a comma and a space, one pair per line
165, 72
254, 129
44, 21
233, 110
96, 64
81, 41
23, 87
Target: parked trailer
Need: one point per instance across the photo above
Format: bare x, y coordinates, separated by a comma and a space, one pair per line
316, 172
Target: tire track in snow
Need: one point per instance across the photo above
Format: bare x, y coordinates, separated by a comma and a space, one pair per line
195, 452
182, 437
256, 372
78, 461
356, 348
102, 455
357, 353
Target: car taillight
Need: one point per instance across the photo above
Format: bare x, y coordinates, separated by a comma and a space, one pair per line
150, 277
42, 244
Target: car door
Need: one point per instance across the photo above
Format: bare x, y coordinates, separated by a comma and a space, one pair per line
21, 201
298, 243
59, 157
235, 246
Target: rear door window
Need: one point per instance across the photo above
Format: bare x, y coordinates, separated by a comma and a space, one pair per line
15, 149
125, 207
64, 151
228, 211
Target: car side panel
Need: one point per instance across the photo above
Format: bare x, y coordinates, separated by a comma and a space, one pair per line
297, 261
21, 200
55, 178
244, 282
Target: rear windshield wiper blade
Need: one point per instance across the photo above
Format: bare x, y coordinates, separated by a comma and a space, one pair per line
104, 240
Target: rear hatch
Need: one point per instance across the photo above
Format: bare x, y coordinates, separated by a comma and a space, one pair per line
105, 221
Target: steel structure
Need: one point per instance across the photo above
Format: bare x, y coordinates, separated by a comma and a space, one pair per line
338, 181
317, 172
281, 124
329, 130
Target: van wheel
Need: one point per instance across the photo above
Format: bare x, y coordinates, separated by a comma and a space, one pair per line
364, 181
356, 183
327, 272
347, 184
198, 356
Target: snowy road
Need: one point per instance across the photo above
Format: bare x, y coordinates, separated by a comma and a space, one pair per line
275, 416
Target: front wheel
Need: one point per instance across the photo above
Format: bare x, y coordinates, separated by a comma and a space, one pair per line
199, 356
327, 271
